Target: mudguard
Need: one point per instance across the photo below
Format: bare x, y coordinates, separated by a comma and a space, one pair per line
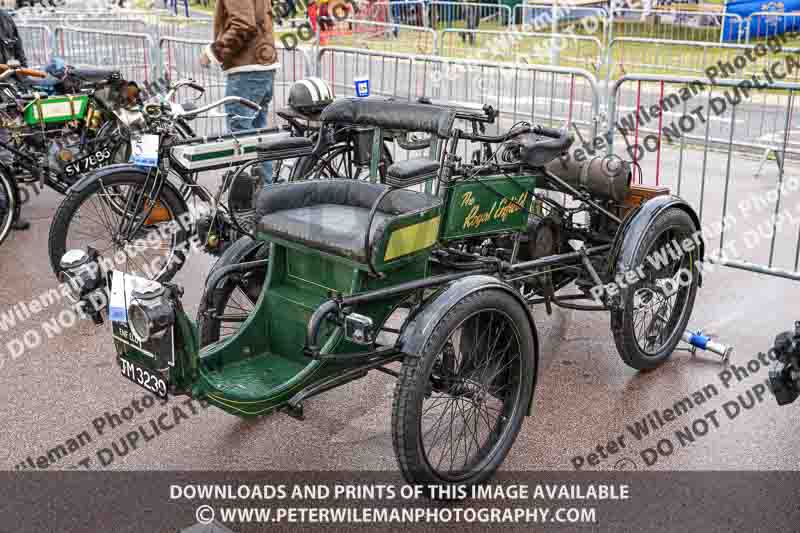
236, 253
631, 233
419, 327
123, 167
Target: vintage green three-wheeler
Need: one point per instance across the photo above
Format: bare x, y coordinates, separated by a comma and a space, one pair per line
345, 276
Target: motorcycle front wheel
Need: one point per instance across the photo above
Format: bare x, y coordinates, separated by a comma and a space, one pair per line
89, 218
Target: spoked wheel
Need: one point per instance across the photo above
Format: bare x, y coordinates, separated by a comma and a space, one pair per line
150, 246
8, 206
459, 407
233, 302
340, 162
656, 308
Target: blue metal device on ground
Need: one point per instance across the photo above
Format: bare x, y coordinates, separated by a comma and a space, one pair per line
704, 342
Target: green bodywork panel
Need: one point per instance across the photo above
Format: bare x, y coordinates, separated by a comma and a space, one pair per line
261, 367
56, 109
491, 204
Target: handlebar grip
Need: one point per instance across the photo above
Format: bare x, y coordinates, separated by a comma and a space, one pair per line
249, 103
196, 87
548, 132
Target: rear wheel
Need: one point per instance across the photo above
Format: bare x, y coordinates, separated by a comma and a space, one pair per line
459, 406
656, 308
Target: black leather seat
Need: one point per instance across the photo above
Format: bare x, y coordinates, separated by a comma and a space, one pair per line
285, 148
391, 115
94, 74
332, 215
284, 143
411, 172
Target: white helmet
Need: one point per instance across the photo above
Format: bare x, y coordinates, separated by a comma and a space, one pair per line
310, 95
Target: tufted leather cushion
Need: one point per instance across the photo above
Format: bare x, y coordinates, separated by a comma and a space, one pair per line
390, 114
332, 215
411, 172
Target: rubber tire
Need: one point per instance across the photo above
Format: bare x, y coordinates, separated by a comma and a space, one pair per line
413, 382
625, 337
319, 166
239, 252
74, 199
11, 212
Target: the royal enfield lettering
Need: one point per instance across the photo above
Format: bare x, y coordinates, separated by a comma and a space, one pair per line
500, 210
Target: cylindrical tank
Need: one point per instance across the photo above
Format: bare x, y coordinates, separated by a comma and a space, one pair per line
606, 177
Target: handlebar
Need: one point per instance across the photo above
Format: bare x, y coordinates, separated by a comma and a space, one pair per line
549, 132
494, 138
227, 100
185, 83
485, 114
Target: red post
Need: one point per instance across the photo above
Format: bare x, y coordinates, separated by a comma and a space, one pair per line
660, 121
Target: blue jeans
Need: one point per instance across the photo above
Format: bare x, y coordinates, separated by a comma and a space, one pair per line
256, 86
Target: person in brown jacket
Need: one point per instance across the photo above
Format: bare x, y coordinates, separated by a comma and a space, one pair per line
244, 46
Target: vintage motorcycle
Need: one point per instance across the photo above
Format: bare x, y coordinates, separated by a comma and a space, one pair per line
57, 129
168, 194
349, 276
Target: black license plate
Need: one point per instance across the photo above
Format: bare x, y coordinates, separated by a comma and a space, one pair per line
91, 162
144, 377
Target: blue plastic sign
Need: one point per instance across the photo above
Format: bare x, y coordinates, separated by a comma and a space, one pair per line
362, 87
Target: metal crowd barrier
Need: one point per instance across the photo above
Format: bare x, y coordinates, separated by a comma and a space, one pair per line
445, 15
765, 24
670, 24
640, 55
523, 47
557, 17
387, 37
37, 41
709, 143
131, 53
179, 59
551, 95
127, 25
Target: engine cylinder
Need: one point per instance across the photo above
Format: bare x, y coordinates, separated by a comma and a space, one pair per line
606, 177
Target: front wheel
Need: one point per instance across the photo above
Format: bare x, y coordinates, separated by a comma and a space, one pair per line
222, 313
459, 406
340, 161
96, 216
654, 310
